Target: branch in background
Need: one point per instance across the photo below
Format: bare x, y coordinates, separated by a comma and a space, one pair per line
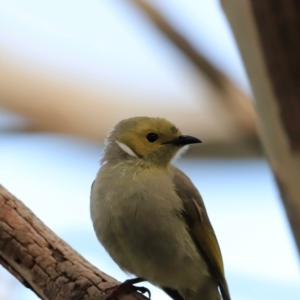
55, 101
235, 102
216, 77
43, 262
268, 35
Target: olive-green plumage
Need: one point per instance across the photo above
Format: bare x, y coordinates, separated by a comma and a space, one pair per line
150, 217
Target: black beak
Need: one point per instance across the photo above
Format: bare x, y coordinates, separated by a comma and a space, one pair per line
184, 140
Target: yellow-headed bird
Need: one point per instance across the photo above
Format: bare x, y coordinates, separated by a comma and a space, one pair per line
149, 216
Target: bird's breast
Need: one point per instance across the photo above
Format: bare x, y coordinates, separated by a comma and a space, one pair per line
137, 219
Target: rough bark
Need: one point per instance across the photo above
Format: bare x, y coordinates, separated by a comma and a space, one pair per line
268, 36
43, 262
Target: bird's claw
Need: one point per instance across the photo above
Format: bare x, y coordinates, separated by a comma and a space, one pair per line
124, 288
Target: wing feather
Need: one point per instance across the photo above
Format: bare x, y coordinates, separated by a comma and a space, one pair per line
201, 229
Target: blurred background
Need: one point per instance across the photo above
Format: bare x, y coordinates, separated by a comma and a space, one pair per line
69, 70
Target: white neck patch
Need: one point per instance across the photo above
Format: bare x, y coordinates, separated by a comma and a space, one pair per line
180, 152
126, 149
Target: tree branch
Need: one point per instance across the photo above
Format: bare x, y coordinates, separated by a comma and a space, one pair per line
216, 77
43, 262
268, 35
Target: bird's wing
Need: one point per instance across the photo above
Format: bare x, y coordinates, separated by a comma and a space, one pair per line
201, 229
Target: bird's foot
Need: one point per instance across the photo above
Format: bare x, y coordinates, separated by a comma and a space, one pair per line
127, 287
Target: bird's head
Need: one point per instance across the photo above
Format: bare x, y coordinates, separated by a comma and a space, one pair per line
154, 140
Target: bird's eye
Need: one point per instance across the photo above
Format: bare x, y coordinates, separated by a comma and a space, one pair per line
152, 137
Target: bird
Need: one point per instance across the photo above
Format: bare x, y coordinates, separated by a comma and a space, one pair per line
150, 217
